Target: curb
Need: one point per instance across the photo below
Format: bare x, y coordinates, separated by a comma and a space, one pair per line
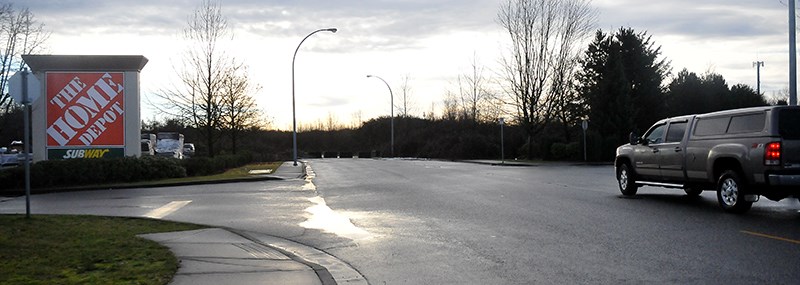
535, 164
334, 271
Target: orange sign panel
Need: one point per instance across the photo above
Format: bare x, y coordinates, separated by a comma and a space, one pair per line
85, 109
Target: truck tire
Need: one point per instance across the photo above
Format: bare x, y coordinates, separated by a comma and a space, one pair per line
627, 180
730, 193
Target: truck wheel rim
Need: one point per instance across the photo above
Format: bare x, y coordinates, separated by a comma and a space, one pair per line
623, 179
729, 192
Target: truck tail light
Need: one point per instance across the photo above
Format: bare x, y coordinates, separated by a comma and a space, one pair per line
772, 154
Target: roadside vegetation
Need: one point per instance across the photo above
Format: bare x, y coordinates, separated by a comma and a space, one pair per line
84, 250
130, 172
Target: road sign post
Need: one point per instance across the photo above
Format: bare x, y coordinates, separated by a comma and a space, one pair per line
24, 89
502, 145
584, 126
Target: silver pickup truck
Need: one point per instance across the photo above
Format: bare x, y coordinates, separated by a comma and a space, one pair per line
742, 154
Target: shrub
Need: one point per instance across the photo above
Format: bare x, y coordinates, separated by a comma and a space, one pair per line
574, 151
199, 166
558, 151
76, 172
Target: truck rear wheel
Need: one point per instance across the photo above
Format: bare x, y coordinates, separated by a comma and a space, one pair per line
627, 180
731, 192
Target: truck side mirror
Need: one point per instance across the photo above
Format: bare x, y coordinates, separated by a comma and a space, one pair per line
634, 138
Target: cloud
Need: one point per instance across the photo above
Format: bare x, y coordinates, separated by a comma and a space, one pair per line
368, 25
328, 101
710, 19
384, 25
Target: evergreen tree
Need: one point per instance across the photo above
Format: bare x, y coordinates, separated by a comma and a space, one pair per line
621, 84
744, 96
693, 94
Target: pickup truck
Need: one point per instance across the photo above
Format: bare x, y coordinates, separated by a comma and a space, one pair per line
742, 154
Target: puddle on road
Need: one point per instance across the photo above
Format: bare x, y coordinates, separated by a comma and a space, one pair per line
326, 219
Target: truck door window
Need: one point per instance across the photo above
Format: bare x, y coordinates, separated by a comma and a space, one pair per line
747, 123
676, 131
655, 135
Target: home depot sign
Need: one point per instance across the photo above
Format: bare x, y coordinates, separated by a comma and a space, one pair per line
85, 111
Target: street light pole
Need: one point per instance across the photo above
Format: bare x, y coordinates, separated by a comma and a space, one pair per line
391, 97
792, 56
294, 114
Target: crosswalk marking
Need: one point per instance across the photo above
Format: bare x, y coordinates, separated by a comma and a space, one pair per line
167, 209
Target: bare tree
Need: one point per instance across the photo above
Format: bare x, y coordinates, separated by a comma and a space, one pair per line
450, 109
20, 33
406, 100
545, 37
332, 123
357, 120
199, 101
239, 108
473, 92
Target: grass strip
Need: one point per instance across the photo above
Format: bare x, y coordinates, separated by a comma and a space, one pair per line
48, 249
235, 173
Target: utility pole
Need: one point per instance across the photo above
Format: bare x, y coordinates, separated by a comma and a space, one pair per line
758, 65
792, 56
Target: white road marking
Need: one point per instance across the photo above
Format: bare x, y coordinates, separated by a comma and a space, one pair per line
167, 209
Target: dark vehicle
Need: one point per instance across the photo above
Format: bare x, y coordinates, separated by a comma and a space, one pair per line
742, 154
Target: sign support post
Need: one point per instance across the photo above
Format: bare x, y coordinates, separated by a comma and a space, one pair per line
502, 145
26, 105
584, 126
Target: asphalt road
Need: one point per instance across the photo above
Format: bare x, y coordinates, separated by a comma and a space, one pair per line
438, 222
433, 222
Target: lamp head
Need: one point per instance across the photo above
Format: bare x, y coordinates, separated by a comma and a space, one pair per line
368, 76
332, 30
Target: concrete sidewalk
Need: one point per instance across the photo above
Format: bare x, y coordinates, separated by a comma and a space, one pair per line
228, 256
222, 256
287, 170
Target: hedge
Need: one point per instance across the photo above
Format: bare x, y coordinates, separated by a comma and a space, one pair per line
201, 166
77, 172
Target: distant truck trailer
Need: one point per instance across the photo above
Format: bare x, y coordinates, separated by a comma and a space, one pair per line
169, 144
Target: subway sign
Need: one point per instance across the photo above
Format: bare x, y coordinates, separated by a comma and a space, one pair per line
85, 114
84, 153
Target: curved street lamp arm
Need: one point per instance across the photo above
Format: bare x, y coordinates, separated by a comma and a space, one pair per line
332, 30
294, 116
391, 97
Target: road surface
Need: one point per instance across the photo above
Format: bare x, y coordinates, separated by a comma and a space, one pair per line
433, 222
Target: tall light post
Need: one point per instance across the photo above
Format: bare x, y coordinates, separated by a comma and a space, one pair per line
391, 97
792, 56
294, 114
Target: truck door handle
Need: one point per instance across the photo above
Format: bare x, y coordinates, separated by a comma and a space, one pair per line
678, 149
655, 150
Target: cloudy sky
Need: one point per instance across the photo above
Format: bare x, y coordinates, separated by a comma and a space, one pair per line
430, 41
